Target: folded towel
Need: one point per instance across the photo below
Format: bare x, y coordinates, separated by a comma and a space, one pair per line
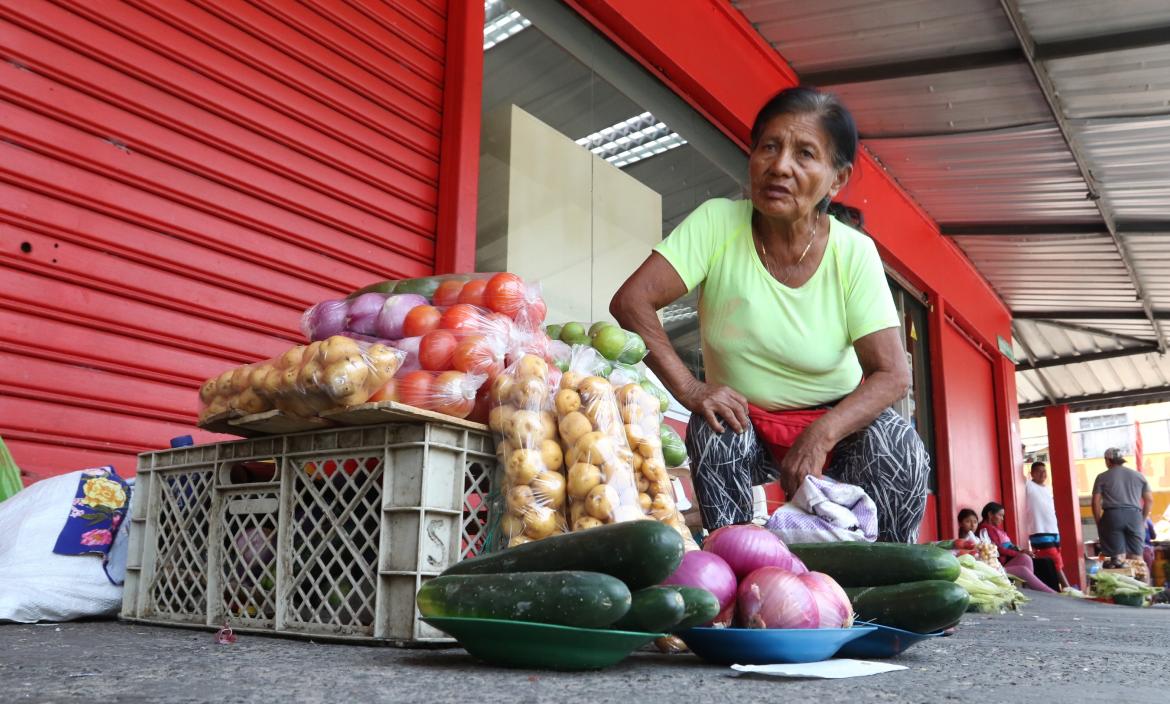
825, 511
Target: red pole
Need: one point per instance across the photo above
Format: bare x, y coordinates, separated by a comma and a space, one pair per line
1064, 493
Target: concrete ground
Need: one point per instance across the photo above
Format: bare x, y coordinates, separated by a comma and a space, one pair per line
1057, 649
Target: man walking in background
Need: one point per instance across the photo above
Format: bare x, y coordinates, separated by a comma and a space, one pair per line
1122, 501
1043, 533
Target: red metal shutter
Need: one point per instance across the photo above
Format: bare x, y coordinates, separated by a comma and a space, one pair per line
178, 180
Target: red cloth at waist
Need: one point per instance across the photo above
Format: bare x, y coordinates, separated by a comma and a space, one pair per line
779, 429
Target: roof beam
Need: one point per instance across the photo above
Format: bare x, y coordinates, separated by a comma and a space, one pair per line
1038, 364
1049, 392
1105, 400
1090, 330
1090, 314
1083, 46
1024, 36
915, 67
1051, 228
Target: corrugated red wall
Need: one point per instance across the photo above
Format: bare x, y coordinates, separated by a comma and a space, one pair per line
179, 180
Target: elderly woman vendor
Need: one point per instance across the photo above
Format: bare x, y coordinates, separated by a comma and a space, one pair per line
801, 340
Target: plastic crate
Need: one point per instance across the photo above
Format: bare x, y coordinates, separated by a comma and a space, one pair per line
321, 534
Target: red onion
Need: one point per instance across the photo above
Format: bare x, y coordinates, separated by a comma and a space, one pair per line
363, 313
409, 345
393, 314
708, 571
325, 319
747, 548
771, 597
832, 604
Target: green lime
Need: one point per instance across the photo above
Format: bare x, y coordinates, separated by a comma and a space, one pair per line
635, 349
574, 334
674, 450
553, 331
610, 341
596, 327
562, 364
657, 392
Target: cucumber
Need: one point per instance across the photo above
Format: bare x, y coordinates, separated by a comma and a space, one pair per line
640, 553
581, 599
920, 607
702, 607
653, 610
877, 564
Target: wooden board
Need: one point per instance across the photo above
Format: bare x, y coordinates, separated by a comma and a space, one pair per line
393, 412
277, 423
221, 423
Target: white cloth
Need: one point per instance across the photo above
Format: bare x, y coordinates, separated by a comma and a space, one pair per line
1041, 509
37, 584
825, 511
835, 669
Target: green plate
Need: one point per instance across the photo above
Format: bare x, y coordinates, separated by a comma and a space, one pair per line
541, 645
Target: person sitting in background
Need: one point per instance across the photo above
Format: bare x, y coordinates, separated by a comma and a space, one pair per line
1016, 561
968, 524
1043, 533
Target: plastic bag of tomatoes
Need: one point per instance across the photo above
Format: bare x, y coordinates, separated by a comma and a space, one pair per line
500, 292
533, 480
450, 392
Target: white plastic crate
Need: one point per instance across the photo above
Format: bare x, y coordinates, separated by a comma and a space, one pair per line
330, 533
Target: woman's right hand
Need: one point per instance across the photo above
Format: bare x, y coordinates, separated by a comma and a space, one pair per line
716, 402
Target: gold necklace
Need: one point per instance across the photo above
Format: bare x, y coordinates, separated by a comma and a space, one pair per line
768, 265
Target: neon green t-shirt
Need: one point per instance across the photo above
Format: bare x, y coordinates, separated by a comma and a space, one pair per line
782, 348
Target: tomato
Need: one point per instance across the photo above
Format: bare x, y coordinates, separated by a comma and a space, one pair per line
476, 354
483, 406
435, 350
462, 316
387, 392
451, 394
533, 314
473, 292
447, 294
415, 389
420, 320
505, 293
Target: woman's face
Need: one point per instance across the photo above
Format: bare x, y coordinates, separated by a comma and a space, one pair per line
791, 167
996, 519
969, 524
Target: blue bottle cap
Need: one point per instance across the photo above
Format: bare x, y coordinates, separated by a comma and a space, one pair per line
182, 441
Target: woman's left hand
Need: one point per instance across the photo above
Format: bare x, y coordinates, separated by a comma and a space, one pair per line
806, 456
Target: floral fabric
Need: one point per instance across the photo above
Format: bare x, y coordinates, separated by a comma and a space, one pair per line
98, 508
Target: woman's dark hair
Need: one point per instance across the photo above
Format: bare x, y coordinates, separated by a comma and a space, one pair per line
990, 508
835, 119
967, 512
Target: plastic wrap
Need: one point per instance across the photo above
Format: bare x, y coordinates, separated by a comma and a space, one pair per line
307, 379
601, 474
525, 427
451, 392
501, 292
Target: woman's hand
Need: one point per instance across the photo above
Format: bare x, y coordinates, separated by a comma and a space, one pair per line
806, 456
715, 402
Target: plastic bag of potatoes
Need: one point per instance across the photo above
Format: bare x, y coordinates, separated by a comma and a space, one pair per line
533, 479
601, 474
305, 380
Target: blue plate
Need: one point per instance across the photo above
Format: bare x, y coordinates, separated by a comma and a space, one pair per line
765, 646
883, 642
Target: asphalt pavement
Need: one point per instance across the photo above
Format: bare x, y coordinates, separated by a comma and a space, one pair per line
1056, 650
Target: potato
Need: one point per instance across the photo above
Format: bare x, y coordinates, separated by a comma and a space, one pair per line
571, 380
573, 427
511, 525
520, 500
548, 425
627, 395
618, 474
519, 540
500, 418
345, 376
550, 455
650, 446
636, 462
601, 501
338, 347
634, 415
549, 489
595, 448
634, 435
208, 391
384, 363
525, 429
603, 416
309, 376
593, 388
502, 388
586, 522
530, 393
523, 466
654, 468
540, 522
291, 359
660, 487
576, 511
250, 402
663, 504
642, 483
531, 367
644, 501
567, 401
583, 477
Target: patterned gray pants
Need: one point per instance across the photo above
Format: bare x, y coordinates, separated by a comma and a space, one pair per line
886, 459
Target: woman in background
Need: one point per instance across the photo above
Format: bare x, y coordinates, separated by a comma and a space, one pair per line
1016, 561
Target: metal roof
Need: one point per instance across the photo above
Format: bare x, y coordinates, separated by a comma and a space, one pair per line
1037, 134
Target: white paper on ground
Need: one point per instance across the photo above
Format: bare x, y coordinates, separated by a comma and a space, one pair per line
827, 669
